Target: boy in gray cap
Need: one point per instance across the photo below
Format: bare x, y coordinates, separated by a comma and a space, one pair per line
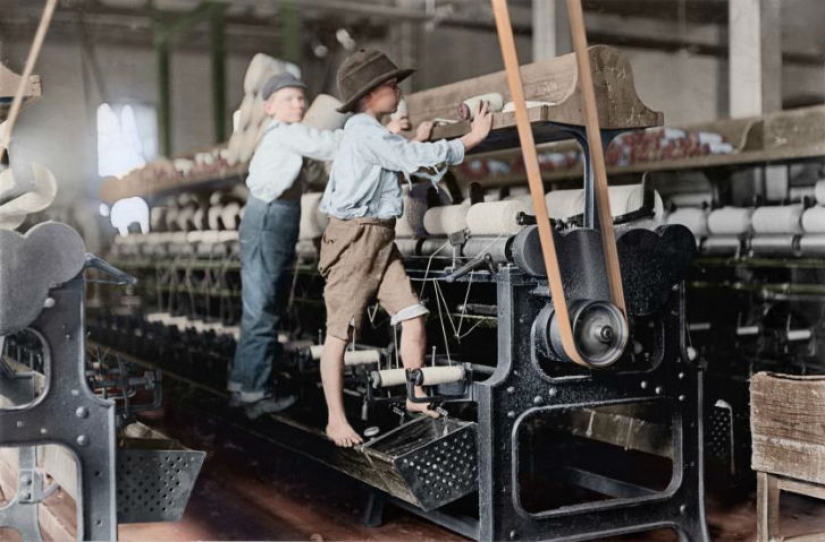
268, 234
359, 258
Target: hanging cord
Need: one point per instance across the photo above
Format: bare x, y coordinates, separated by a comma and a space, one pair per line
34, 52
427, 270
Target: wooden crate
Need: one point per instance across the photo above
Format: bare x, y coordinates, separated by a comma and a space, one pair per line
788, 426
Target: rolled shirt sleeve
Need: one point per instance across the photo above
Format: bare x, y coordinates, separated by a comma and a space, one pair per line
395, 153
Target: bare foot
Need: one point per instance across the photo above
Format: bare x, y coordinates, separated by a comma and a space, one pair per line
423, 408
342, 434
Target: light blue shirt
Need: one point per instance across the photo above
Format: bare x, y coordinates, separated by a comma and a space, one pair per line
280, 154
364, 178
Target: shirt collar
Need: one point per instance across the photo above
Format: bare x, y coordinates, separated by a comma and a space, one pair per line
364, 119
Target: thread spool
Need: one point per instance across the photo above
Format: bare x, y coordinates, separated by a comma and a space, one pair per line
407, 247
624, 199
812, 245
730, 221
562, 204
315, 351
199, 219
446, 220
633, 199
184, 220
157, 218
361, 357
388, 378
309, 227
432, 376
476, 247
469, 107
813, 220
819, 192
228, 236
323, 114
780, 219
694, 219
798, 335
230, 216
495, 218
722, 245
691, 199
351, 357
748, 331
214, 216
774, 244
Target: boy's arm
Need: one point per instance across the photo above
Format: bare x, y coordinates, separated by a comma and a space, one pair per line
310, 142
395, 153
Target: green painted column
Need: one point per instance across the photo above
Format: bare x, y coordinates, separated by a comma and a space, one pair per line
161, 46
289, 22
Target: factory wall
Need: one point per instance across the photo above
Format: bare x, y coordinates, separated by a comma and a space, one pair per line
59, 130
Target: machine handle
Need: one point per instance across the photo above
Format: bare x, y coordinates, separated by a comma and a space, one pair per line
121, 277
472, 265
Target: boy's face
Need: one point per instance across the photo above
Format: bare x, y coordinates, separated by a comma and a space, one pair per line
384, 99
286, 105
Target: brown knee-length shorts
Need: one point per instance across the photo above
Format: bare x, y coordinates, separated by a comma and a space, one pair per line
360, 262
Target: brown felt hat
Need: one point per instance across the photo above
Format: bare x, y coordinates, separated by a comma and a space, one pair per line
362, 72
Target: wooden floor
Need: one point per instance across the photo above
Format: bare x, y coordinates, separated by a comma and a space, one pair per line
252, 490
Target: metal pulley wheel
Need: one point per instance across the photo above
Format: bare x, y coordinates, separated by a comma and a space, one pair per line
599, 330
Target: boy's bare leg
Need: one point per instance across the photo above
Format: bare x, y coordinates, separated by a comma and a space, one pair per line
413, 350
332, 376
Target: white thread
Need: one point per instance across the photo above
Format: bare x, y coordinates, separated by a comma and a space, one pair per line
446, 220
780, 219
495, 218
730, 221
693, 218
813, 220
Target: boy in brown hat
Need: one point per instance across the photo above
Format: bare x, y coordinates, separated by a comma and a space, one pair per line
363, 198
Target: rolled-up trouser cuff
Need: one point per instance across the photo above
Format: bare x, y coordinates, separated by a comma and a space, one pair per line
251, 396
408, 313
233, 387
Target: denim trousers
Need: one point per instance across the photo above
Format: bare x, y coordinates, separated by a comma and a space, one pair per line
267, 235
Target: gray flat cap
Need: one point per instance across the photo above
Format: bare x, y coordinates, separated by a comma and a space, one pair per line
277, 82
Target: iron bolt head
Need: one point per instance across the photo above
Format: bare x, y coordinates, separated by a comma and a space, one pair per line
82, 412
82, 440
49, 303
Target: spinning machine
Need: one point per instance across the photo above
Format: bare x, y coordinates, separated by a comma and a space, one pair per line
546, 431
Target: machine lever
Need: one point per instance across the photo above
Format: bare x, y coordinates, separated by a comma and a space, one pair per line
472, 265
121, 277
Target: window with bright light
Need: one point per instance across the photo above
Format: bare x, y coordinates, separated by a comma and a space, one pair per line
127, 138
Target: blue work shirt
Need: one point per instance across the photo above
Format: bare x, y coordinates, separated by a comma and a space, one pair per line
364, 177
280, 154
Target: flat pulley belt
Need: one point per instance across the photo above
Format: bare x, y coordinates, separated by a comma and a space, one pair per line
528, 147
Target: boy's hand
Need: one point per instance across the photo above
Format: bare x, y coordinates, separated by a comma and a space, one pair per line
397, 125
424, 131
480, 127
